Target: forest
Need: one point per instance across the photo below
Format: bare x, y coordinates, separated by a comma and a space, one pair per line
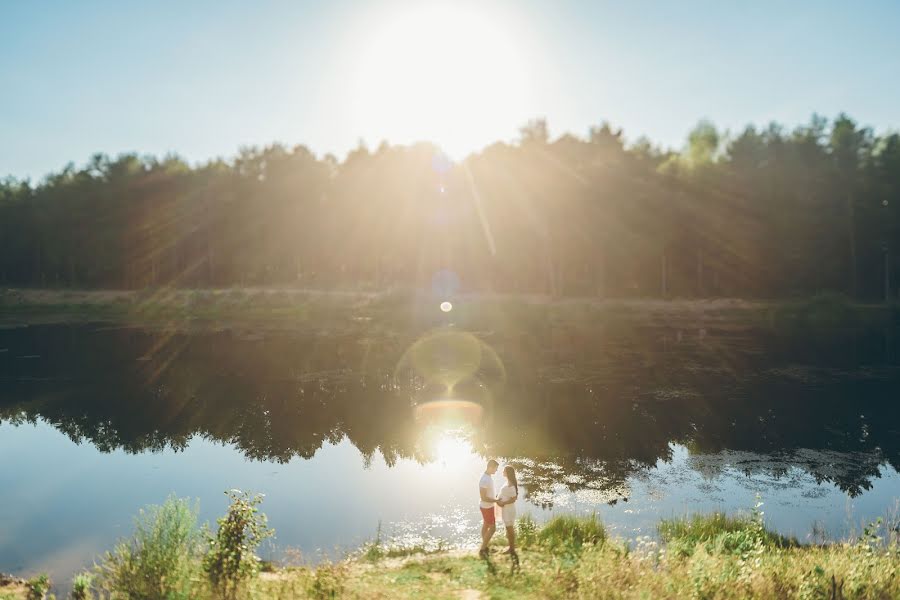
762, 213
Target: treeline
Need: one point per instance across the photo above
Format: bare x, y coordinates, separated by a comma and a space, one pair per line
763, 213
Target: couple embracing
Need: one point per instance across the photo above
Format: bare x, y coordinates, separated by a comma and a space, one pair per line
506, 501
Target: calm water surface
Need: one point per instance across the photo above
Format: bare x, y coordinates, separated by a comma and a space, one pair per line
342, 431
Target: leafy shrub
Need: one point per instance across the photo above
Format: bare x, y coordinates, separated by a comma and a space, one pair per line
571, 533
328, 582
872, 537
81, 586
160, 560
824, 311
230, 560
38, 587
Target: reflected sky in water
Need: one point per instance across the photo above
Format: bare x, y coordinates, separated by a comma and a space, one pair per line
71, 502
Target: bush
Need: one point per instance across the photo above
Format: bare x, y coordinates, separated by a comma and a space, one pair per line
160, 560
230, 560
81, 586
328, 582
38, 587
824, 312
720, 534
571, 533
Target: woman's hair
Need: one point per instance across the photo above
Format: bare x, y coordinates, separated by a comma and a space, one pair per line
510, 474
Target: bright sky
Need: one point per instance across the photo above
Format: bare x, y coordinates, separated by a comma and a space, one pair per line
203, 78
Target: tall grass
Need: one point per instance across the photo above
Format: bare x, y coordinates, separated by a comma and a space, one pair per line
526, 531
565, 533
826, 311
731, 558
703, 556
161, 560
378, 549
720, 533
38, 587
81, 586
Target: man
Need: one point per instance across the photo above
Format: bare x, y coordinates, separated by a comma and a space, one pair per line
488, 499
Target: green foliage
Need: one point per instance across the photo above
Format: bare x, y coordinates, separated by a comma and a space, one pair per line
526, 531
764, 569
700, 152
231, 560
731, 558
160, 561
721, 534
822, 312
768, 213
374, 550
328, 582
570, 533
377, 549
81, 586
872, 535
38, 587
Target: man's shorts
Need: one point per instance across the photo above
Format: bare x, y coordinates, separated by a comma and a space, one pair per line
489, 516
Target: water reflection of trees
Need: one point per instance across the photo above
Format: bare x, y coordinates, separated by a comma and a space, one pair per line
588, 419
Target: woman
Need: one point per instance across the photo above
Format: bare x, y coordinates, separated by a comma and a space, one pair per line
507, 501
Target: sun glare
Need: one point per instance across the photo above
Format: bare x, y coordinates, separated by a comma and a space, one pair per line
451, 450
444, 73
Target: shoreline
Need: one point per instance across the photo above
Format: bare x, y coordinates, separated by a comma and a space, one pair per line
362, 310
710, 555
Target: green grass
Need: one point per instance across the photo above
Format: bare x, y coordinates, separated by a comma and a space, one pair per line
828, 311
390, 308
701, 556
730, 557
81, 586
161, 560
378, 549
720, 533
401, 308
569, 533
376, 552
37, 587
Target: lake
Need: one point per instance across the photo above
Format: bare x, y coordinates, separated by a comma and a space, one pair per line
348, 430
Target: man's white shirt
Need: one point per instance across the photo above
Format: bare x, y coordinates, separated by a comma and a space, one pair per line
486, 483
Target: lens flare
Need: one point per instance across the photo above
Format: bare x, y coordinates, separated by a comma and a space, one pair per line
449, 413
446, 306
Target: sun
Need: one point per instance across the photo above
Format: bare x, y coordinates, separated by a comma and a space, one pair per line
447, 73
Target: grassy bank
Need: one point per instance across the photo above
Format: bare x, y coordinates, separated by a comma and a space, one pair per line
397, 308
703, 556
354, 311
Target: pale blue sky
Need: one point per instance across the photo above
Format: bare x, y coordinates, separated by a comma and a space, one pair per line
202, 78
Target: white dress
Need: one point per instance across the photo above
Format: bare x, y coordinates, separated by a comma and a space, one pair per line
508, 492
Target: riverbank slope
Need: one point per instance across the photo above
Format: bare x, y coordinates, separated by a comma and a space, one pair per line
368, 311
711, 556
